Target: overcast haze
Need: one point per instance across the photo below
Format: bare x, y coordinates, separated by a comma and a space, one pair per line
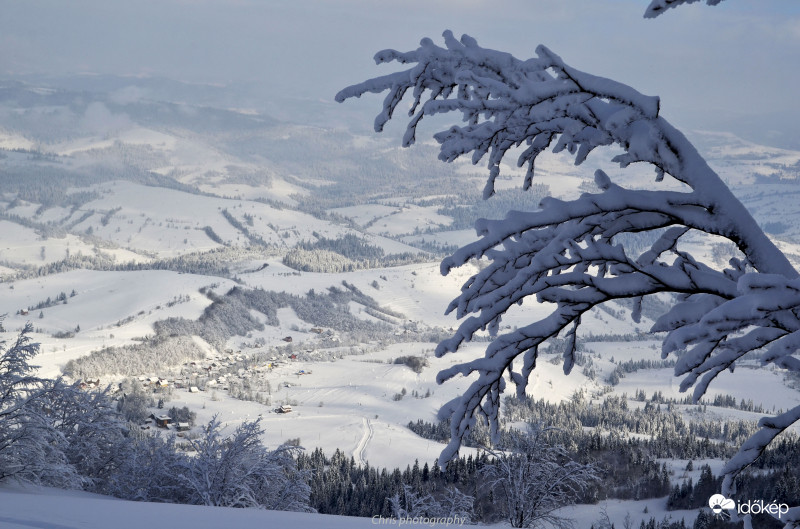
714, 67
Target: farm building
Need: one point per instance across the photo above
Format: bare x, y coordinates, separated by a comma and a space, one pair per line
162, 421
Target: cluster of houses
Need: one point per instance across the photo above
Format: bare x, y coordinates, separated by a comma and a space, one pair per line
220, 370
217, 371
207, 373
328, 334
164, 421
154, 382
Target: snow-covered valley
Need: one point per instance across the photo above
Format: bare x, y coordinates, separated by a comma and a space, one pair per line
117, 239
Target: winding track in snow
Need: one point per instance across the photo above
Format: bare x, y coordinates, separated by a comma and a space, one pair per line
358, 453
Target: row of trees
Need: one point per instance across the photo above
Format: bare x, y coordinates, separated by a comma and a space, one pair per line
524, 483
327, 261
629, 445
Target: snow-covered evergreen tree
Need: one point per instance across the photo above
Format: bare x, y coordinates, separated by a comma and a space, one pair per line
410, 504
572, 253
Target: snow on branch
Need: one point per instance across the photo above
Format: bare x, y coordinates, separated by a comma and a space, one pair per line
658, 7
507, 102
756, 444
573, 254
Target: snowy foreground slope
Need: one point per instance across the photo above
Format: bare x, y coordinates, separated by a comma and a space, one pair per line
58, 509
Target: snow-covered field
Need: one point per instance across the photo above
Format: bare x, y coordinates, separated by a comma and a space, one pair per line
57, 509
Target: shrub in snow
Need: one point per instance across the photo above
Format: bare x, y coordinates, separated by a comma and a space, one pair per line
239, 471
31, 449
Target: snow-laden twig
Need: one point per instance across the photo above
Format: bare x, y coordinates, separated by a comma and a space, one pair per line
657, 7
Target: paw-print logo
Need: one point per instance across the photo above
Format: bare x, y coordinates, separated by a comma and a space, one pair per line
720, 503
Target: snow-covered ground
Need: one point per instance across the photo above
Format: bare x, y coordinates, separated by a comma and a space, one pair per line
57, 509
45, 508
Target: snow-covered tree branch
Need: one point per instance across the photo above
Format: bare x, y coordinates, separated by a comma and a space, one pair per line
657, 7
573, 254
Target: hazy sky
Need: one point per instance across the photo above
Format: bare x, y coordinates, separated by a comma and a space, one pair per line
710, 65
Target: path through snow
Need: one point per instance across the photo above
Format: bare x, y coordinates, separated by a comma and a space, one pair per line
358, 453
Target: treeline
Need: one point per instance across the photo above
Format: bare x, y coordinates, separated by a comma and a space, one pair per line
470, 206
215, 262
211, 234
321, 261
255, 240
34, 183
629, 471
632, 366
45, 230
149, 356
341, 487
349, 245
345, 254
325, 261
369, 302
720, 401
631, 462
654, 419
60, 299
729, 401
627, 442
